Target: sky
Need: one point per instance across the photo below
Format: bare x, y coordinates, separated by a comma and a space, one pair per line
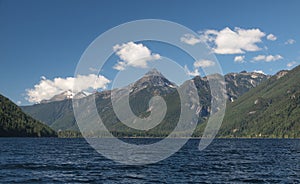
41, 42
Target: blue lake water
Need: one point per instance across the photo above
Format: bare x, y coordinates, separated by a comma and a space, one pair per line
52, 160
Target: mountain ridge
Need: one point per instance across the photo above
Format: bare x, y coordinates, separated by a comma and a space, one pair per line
155, 74
271, 110
59, 115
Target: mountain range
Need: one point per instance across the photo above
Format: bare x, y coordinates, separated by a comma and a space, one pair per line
58, 112
258, 106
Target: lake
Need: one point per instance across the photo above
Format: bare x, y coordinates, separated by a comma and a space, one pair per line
53, 160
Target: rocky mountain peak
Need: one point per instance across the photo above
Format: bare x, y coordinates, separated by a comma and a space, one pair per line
69, 94
281, 73
154, 72
239, 83
151, 79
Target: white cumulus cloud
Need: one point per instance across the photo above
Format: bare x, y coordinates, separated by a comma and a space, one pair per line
204, 63
237, 41
267, 58
190, 39
132, 54
191, 73
290, 42
271, 37
47, 88
239, 59
291, 64
259, 71
93, 69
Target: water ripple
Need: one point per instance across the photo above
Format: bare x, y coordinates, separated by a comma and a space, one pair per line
50, 160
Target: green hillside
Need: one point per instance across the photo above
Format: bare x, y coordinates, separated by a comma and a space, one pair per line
58, 115
15, 123
270, 110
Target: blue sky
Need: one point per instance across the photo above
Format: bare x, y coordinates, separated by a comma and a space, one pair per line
47, 38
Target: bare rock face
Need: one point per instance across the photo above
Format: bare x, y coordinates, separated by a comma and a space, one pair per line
236, 83
155, 79
281, 73
239, 83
